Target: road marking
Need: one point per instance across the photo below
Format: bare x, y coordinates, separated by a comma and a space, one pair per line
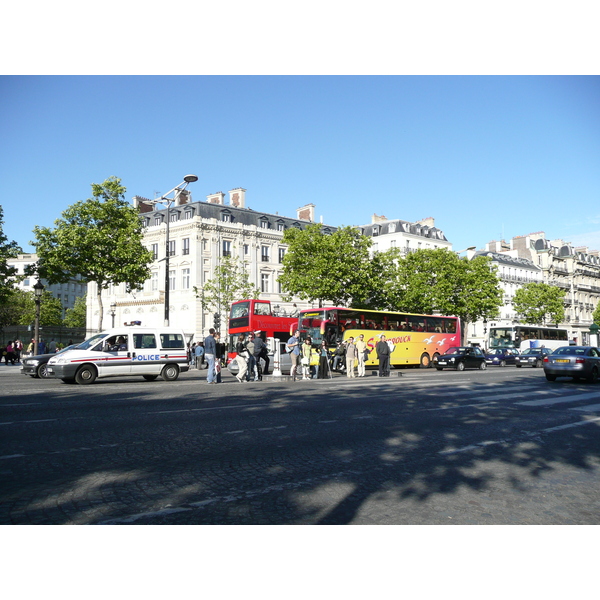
529, 434
588, 407
551, 401
12, 456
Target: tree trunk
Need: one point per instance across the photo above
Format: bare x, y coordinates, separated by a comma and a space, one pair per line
100, 308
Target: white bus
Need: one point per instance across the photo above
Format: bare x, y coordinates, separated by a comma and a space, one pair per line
527, 336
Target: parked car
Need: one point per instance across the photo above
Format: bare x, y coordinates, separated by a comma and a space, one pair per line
578, 362
460, 358
501, 357
532, 357
284, 367
36, 366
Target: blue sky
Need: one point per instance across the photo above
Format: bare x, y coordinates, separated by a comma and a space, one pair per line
486, 156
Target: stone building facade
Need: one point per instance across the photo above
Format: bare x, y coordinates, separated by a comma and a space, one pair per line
574, 269
200, 234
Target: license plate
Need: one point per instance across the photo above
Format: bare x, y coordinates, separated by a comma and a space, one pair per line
442, 362
562, 360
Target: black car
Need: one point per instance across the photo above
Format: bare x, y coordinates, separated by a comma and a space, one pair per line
532, 357
460, 358
35, 366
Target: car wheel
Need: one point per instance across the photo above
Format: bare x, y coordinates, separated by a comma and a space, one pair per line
460, 366
42, 371
593, 378
440, 368
150, 377
86, 375
519, 366
550, 377
170, 372
537, 363
502, 363
483, 365
425, 362
68, 380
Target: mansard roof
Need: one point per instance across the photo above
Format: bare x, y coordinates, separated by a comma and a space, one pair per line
511, 261
400, 226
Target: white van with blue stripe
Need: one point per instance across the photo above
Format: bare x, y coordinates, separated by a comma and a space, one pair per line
123, 352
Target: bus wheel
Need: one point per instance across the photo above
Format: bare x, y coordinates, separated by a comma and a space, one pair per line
86, 375
170, 372
425, 361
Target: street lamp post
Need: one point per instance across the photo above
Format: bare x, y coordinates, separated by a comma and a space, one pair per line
38, 290
113, 312
165, 201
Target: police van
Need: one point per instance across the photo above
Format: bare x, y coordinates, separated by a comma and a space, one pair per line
123, 352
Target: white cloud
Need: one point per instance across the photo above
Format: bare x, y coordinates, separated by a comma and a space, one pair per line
590, 239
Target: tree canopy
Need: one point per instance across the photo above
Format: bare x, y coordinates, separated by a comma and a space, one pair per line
229, 283
7, 273
539, 303
77, 316
99, 239
596, 315
326, 267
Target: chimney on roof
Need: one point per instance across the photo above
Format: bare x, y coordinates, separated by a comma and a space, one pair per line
306, 213
237, 197
217, 198
378, 219
140, 203
427, 221
182, 197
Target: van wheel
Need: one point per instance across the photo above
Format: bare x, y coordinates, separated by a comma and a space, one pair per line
86, 375
170, 372
149, 377
425, 361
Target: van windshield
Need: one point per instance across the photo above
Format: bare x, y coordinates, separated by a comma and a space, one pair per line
91, 342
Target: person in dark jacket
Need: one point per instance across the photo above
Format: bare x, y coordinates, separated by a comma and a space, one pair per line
383, 354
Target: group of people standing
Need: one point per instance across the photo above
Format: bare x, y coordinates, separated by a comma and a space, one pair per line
12, 352
349, 355
249, 352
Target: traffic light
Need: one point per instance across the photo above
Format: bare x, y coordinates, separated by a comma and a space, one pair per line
217, 321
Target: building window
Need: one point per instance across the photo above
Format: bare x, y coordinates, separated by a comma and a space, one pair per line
171, 247
174, 216
204, 245
187, 214
157, 220
226, 218
185, 279
186, 246
280, 227
393, 243
154, 250
264, 253
154, 281
246, 249
205, 277
264, 283
171, 280
226, 248
281, 254
264, 224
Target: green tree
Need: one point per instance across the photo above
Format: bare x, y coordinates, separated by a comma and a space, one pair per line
20, 309
7, 273
538, 303
77, 316
327, 267
229, 283
99, 239
427, 281
596, 315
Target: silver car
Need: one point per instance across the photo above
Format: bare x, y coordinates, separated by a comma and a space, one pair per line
578, 362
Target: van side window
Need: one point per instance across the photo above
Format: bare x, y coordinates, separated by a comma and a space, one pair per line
143, 341
172, 340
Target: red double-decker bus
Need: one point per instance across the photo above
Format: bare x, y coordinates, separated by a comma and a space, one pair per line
257, 315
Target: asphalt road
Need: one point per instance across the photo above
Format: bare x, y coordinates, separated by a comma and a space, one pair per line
501, 446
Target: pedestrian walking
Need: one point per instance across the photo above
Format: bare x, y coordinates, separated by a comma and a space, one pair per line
383, 354
324, 371
198, 355
252, 373
306, 348
351, 357
362, 353
293, 349
241, 358
210, 351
